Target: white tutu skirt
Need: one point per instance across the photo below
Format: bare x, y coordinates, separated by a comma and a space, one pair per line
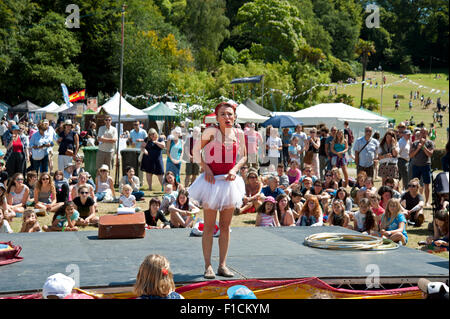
220, 195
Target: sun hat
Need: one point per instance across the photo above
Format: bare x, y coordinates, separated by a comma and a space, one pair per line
252, 171
69, 164
68, 122
407, 132
58, 285
15, 127
240, 292
270, 199
104, 167
434, 290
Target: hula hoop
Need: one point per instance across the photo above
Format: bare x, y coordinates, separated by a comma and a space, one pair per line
340, 241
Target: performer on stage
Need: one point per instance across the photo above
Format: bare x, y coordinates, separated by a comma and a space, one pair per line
219, 188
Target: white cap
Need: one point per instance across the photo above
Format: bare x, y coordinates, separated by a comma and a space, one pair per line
58, 285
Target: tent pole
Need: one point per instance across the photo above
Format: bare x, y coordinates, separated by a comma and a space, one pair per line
120, 98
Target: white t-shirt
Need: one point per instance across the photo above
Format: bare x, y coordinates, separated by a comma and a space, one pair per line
127, 201
5, 228
302, 137
107, 133
360, 220
404, 146
274, 144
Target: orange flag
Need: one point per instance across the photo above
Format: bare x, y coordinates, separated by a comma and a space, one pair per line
77, 96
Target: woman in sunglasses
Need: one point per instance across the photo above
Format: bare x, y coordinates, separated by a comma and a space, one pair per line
17, 194
45, 195
86, 207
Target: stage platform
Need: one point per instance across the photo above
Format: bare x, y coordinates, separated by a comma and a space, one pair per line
262, 253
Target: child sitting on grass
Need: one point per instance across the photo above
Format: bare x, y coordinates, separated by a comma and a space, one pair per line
182, 212
439, 240
338, 215
155, 279
127, 199
393, 222
30, 222
65, 219
364, 219
267, 214
4, 225
153, 214
169, 197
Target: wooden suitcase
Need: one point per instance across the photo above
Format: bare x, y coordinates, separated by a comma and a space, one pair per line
122, 226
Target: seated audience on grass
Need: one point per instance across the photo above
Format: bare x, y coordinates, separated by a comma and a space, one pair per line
65, 219
62, 187
307, 171
17, 195
169, 198
307, 187
252, 199
294, 174
45, 194
30, 223
267, 214
243, 173
8, 214
3, 172
364, 219
169, 178
439, 240
374, 200
4, 225
104, 185
386, 194
336, 176
393, 223
329, 184
311, 214
342, 194
127, 199
131, 179
360, 182
366, 190
82, 181
285, 215
338, 216
85, 205
32, 178
272, 189
413, 203
154, 214
77, 170
155, 279
321, 195
182, 212
295, 204
283, 179
390, 182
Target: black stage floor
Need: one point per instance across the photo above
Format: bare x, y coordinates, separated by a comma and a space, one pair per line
263, 253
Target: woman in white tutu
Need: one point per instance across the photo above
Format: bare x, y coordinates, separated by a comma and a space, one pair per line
219, 188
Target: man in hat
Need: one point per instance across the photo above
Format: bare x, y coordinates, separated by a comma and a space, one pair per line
404, 145
107, 138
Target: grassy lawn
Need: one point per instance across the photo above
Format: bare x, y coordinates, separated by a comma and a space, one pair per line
403, 89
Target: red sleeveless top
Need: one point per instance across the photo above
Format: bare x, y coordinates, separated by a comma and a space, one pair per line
221, 158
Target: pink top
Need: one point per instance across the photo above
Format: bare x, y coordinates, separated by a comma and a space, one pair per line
225, 159
295, 177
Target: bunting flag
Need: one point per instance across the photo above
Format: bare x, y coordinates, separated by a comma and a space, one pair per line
77, 96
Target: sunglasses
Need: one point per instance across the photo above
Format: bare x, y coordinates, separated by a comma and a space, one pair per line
84, 193
19, 180
413, 186
252, 177
46, 179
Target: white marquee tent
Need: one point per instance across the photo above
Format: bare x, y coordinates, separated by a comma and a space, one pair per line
128, 111
48, 108
335, 114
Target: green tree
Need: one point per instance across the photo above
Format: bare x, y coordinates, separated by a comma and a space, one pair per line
205, 26
275, 25
45, 60
364, 49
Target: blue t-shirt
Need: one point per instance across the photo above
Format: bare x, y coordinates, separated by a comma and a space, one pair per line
286, 139
141, 134
268, 192
395, 224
